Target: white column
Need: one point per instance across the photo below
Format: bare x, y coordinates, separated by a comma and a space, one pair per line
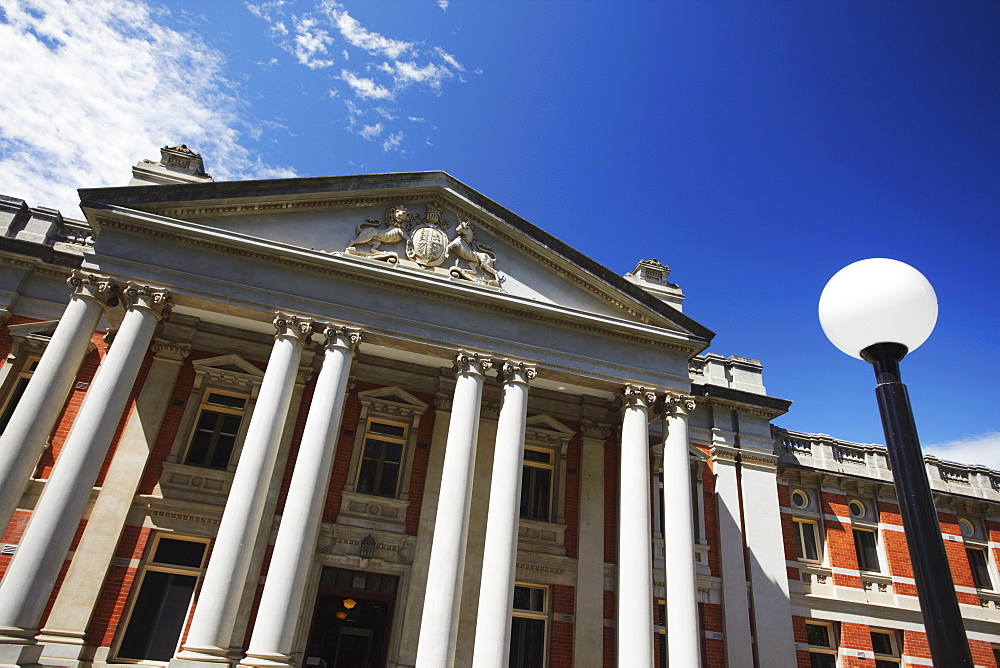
36, 564
31, 424
439, 622
295, 545
218, 603
772, 609
635, 538
732, 561
66, 624
496, 590
681, 583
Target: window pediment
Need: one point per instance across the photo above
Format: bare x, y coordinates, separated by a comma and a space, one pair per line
392, 401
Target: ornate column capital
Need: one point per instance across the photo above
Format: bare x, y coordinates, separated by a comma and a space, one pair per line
97, 287
635, 396
171, 350
339, 336
293, 327
598, 430
514, 371
471, 363
671, 404
155, 300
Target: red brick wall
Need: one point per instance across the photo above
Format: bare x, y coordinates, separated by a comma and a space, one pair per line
713, 651
561, 646
609, 631
83, 379
571, 511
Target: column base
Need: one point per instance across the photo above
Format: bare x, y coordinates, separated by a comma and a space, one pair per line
19, 654
267, 660
201, 657
64, 648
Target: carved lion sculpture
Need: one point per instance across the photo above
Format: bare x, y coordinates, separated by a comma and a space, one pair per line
479, 257
397, 221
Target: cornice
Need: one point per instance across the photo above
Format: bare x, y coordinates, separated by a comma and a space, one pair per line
462, 293
315, 192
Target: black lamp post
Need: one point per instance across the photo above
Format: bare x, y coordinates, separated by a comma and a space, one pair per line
878, 310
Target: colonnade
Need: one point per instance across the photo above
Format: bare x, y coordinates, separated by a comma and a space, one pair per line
42, 550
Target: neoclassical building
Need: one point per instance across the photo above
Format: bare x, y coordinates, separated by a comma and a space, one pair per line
382, 421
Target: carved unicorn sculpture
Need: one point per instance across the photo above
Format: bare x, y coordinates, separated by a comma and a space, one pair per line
479, 257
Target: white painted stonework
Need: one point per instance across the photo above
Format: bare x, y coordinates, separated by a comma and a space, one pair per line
346, 483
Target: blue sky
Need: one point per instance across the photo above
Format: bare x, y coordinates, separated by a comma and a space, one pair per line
754, 147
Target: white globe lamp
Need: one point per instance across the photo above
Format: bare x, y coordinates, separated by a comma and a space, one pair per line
877, 301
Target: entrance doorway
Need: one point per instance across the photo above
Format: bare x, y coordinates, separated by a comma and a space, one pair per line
352, 619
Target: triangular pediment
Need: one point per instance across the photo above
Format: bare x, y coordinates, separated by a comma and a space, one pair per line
424, 227
547, 423
394, 395
228, 363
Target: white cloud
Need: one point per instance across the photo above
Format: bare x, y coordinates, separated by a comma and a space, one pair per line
358, 36
981, 449
91, 88
364, 87
264, 10
309, 43
407, 73
371, 131
448, 58
382, 68
393, 142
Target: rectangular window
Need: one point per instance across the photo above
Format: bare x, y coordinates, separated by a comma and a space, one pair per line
865, 547
160, 608
806, 540
885, 643
216, 429
381, 458
527, 635
536, 484
980, 568
822, 645
17, 391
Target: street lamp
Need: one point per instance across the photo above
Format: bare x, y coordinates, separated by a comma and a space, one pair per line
878, 310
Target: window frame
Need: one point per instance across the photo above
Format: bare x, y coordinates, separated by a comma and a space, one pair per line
986, 565
873, 532
18, 370
895, 645
403, 441
387, 404
532, 465
798, 526
205, 405
148, 565
224, 374
832, 649
544, 615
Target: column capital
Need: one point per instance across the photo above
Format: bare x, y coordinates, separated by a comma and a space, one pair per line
339, 336
514, 371
97, 287
635, 396
598, 430
171, 350
672, 404
293, 327
467, 363
155, 300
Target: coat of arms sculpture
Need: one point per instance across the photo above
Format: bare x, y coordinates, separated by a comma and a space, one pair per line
427, 243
